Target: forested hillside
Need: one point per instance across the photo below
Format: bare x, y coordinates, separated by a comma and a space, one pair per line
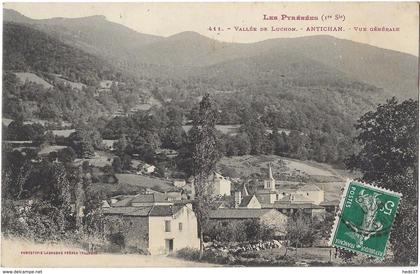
28, 50
180, 55
282, 100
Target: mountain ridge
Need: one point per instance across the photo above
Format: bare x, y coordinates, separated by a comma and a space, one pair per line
182, 54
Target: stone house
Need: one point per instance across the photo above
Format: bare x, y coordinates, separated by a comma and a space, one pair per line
312, 193
250, 201
109, 144
147, 169
222, 185
179, 183
242, 199
307, 194
152, 225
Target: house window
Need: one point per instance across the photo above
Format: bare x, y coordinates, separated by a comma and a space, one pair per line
180, 226
167, 226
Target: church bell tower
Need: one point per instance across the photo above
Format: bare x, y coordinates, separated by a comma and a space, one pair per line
270, 183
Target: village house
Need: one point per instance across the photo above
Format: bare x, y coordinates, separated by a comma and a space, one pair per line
109, 144
250, 201
147, 169
179, 182
269, 217
312, 192
151, 224
307, 199
307, 209
294, 198
308, 193
222, 185
244, 200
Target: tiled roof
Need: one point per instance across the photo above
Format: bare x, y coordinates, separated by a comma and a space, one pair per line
149, 198
309, 187
124, 202
299, 197
238, 213
220, 204
143, 211
245, 201
141, 198
330, 203
139, 211
164, 210
122, 210
292, 206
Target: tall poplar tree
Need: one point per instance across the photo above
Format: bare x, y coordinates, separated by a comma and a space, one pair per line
203, 141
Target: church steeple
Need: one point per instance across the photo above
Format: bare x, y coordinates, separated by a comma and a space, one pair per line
271, 178
270, 183
244, 190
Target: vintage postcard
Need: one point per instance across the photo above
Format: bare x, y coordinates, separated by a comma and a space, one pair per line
209, 134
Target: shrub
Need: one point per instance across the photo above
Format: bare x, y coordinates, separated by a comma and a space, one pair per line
249, 230
188, 253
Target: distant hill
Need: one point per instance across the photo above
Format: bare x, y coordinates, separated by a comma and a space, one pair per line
27, 49
48, 79
393, 71
93, 34
179, 55
10, 15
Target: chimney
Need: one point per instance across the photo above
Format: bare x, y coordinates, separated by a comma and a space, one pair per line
238, 198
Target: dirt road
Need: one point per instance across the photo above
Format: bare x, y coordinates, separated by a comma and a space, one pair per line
18, 253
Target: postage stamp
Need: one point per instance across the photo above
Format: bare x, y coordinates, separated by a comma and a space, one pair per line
365, 219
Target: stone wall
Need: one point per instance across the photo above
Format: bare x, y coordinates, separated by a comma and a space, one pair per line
135, 231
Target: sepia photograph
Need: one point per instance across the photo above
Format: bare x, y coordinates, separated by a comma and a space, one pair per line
210, 134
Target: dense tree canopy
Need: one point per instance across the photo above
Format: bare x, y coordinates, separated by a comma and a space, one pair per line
389, 158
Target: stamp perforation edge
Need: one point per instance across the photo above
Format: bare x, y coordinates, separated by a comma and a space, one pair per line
341, 206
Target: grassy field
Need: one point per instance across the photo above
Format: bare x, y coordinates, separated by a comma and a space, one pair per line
31, 77
144, 181
63, 132
249, 164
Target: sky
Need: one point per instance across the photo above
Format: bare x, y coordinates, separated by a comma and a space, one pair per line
165, 19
